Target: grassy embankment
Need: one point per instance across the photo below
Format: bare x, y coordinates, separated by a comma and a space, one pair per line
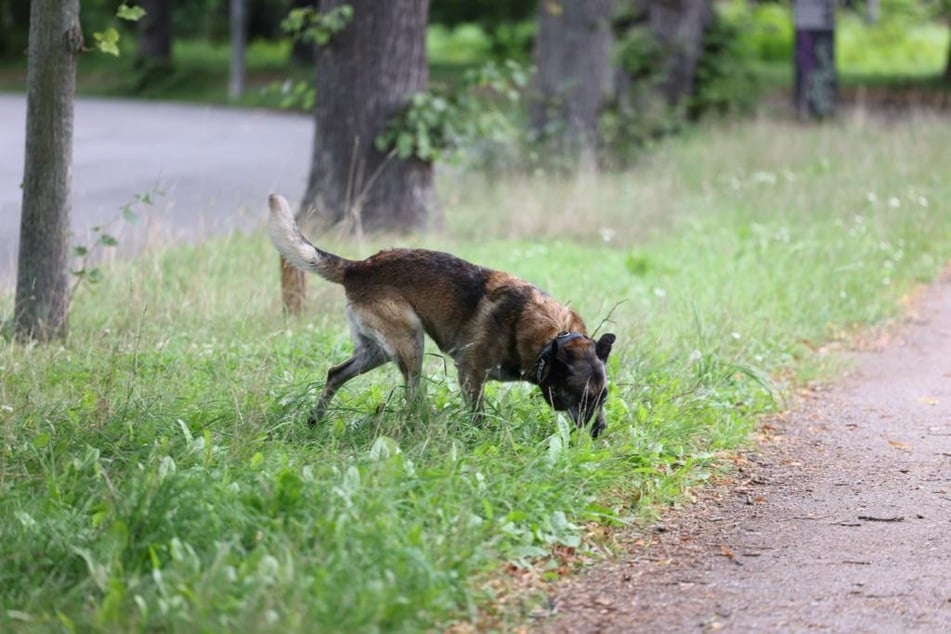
156, 471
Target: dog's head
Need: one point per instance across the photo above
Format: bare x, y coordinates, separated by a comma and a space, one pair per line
570, 373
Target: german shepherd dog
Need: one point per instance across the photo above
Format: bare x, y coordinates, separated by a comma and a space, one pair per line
492, 324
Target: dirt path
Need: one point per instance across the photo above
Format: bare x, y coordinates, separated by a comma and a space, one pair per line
840, 520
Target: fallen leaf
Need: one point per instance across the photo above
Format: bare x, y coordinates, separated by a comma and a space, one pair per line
928, 400
898, 445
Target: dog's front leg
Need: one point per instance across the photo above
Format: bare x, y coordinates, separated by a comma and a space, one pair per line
472, 385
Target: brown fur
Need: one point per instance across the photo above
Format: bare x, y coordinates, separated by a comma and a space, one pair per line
493, 325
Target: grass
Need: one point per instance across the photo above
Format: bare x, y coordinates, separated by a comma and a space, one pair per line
156, 472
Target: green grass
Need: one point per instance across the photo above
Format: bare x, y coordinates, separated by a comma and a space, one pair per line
156, 472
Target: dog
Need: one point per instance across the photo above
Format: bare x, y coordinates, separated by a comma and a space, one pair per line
492, 324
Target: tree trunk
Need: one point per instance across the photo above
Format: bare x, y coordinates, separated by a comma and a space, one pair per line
816, 83
238, 37
155, 35
947, 64
573, 76
42, 293
365, 76
679, 26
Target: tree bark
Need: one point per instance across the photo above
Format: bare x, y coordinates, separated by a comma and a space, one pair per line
238, 35
679, 26
155, 35
816, 83
365, 76
573, 76
947, 64
42, 294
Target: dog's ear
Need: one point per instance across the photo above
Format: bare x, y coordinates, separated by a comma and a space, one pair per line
556, 350
603, 347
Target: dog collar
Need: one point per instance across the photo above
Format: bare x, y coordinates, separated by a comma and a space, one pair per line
542, 362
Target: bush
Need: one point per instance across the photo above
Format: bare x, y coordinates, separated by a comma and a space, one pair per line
726, 82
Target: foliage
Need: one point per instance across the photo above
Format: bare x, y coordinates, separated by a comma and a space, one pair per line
437, 123
767, 29
638, 53
156, 472
507, 26
725, 83
84, 271
307, 24
900, 43
903, 43
108, 41
476, 44
726, 80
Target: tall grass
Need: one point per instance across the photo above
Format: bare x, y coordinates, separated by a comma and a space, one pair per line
156, 472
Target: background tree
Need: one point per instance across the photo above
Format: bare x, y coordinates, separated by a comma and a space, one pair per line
236, 69
945, 8
661, 44
155, 38
679, 26
42, 293
573, 73
365, 76
14, 16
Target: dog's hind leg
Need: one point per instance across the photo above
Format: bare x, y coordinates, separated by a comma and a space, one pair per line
405, 339
387, 329
367, 356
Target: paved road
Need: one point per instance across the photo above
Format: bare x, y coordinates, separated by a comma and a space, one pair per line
215, 165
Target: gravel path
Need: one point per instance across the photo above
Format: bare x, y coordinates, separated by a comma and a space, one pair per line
839, 521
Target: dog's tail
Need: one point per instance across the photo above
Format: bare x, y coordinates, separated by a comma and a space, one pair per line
296, 249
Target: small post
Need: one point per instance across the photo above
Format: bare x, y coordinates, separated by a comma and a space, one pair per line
816, 85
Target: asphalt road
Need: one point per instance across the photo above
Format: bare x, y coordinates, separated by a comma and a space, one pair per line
213, 166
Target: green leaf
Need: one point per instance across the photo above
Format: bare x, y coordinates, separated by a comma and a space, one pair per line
108, 240
108, 41
41, 440
132, 14
80, 251
404, 145
129, 215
